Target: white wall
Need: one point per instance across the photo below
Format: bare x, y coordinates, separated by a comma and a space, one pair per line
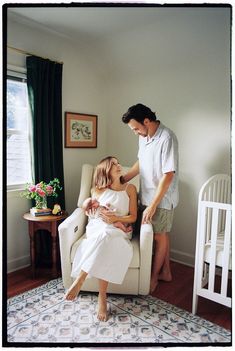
186, 79
18, 254
83, 91
179, 67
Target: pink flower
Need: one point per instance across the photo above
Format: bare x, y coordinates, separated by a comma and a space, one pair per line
41, 192
41, 189
32, 188
49, 189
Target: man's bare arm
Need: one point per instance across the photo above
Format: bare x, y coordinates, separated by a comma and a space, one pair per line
161, 190
133, 172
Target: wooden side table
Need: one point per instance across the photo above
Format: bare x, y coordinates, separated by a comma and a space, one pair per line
49, 223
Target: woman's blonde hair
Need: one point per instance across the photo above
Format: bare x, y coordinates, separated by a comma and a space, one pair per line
102, 178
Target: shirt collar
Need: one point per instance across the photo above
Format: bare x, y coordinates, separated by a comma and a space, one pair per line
157, 135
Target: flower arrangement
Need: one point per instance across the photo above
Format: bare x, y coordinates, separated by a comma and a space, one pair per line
40, 191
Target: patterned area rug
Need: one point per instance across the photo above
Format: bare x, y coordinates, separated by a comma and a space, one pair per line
42, 315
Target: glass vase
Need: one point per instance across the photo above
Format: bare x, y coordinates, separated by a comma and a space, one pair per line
41, 202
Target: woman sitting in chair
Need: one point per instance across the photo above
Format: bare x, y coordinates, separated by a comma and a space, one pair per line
106, 252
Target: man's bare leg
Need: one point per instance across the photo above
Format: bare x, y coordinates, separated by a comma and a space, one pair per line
102, 314
165, 273
75, 288
161, 245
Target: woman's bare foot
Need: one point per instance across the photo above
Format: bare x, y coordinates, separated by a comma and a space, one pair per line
75, 288
73, 291
102, 314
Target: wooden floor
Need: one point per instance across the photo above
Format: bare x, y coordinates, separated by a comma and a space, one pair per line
178, 292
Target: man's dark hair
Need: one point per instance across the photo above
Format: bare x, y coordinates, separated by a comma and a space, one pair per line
138, 112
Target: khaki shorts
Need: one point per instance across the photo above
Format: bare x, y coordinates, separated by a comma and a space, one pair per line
162, 220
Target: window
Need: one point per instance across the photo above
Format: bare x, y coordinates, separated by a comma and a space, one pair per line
19, 170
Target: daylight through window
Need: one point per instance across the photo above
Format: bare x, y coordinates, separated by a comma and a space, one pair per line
18, 133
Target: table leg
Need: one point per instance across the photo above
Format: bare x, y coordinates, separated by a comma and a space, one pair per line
54, 249
32, 248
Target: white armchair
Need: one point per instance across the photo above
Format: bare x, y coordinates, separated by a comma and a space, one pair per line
71, 231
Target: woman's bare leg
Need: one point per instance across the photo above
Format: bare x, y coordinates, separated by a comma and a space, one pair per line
75, 288
102, 314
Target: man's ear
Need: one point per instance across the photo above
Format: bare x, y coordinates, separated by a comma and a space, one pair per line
146, 121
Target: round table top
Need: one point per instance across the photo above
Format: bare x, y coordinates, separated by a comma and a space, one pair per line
49, 218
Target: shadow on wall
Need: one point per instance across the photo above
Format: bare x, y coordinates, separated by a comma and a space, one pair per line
183, 236
221, 163
183, 239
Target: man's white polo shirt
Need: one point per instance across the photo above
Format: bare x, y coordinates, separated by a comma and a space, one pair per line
158, 155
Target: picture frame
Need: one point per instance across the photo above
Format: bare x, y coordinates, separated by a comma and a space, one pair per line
80, 130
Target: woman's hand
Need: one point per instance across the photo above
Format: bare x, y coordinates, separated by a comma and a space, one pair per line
148, 214
108, 216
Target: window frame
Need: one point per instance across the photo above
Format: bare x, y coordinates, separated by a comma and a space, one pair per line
18, 74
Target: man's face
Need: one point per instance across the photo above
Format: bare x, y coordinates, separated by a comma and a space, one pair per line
138, 128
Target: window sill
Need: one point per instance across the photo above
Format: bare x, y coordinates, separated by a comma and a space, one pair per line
16, 187
11, 193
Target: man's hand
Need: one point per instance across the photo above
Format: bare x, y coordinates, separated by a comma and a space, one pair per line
161, 190
148, 214
130, 174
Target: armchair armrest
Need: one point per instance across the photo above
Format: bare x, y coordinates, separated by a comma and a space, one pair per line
146, 246
70, 231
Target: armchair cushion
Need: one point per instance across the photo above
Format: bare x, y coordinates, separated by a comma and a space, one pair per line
71, 233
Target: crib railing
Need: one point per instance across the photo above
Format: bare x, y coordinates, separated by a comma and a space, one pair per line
213, 244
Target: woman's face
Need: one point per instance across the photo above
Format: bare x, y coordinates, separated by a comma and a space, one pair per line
116, 169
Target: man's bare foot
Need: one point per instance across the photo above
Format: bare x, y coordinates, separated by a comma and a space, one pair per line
75, 288
102, 314
166, 276
153, 284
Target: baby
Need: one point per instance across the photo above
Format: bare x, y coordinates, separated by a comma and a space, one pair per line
92, 209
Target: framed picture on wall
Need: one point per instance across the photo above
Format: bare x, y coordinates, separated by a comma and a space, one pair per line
80, 130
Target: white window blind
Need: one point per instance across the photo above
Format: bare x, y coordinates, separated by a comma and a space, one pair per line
19, 158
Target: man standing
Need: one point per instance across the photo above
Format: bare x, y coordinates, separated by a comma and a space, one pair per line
158, 168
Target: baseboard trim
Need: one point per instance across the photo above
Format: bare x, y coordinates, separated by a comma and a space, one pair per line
18, 263
182, 257
175, 255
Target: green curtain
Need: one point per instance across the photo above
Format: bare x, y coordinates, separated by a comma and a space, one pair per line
44, 80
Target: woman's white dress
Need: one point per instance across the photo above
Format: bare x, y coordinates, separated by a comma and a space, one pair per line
106, 251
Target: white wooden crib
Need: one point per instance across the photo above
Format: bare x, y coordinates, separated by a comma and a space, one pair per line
213, 242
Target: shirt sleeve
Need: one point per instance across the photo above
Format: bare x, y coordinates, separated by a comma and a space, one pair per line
169, 155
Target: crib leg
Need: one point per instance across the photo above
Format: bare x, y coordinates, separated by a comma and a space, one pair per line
195, 296
195, 303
